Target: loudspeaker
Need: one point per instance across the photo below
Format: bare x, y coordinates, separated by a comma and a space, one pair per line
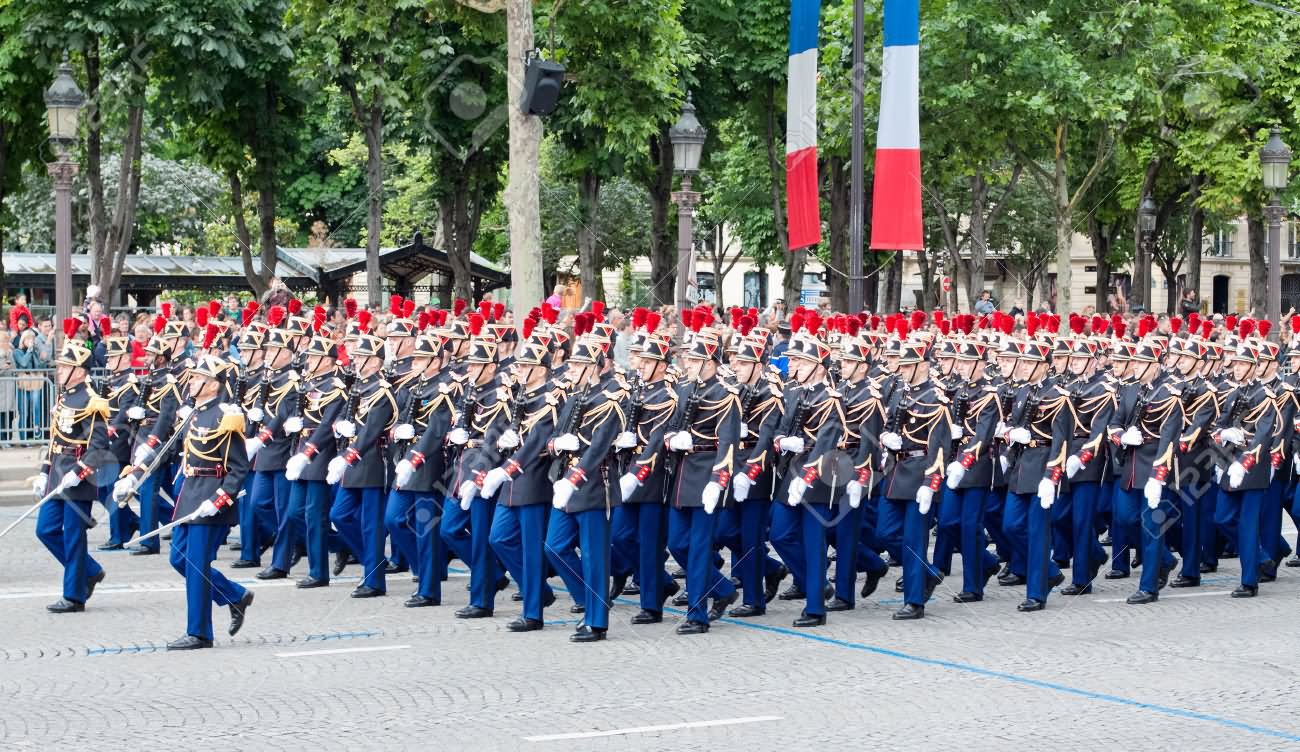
542, 82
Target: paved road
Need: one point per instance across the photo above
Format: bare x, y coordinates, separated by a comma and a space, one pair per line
318, 669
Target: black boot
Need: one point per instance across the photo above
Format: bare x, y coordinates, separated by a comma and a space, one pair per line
810, 620
524, 625
616, 589
1246, 591
1073, 589
93, 581
587, 634
692, 627
238, 611
839, 604
772, 583
65, 606
271, 573
1031, 604
792, 593
473, 612
720, 606
966, 597
873, 580
242, 564
189, 642
421, 601
307, 583
1181, 581
746, 611
365, 591
648, 617
1141, 598
908, 612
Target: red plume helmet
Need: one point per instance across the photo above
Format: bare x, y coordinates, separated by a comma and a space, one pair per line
1098, 324
363, 320
1146, 325
652, 319
918, 319
70, 327
638, 317
254, 306
747, 324
201, 317
395, 305
854, 325
549, 314
1264, 326
1193, 322
529, 325
210, 336
945, 326
1119, 326
753, 312
1031, 324
1077, 323
796, 321
1207, 327
735, 314
476, 323
1295, 324
246, 317
295, 306
1245, 328
458, 307
1230, 323
275, 316
937, 315
422, 321
485, 309
875, 321
350, 307
159, 323
498, 311
167, 310
105, 326
598, 310
900, 326
214, 308
1175, 324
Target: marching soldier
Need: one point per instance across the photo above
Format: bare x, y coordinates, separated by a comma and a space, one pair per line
274, 401
124, 391
78, 446
214, 464
1196, 488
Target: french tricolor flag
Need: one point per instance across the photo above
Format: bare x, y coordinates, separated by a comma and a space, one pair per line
896, 197
803, 207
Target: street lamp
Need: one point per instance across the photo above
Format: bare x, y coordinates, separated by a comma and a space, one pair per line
1147, 237
1274, 159
63, 103
687, 137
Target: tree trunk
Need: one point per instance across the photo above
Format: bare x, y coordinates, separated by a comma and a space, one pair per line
374, 133
266, 195
1257, 240
523, 191
894, 284
1100, 242
663, 252
94, 153
841, 200
1195, 235
242, 237
122, 228
589, 253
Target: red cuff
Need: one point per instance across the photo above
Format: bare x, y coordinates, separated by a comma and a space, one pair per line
810, 475
1277, 460
1056, 475
478, 478
967, 460
642, 473
310, 450
577, 476
1085, 456
1182, 446
151, 441
84, 472
1114, 438
724, 477
935, 481
223, 499
513, 468
1162, 472
264, 435
864, 474
417, 459
753, 471
112, 432
351, 456
1248, 461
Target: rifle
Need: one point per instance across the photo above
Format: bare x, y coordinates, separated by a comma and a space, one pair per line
1026, 418
163, 451
464, 419
354, 398
561, 460
801, 408
633, 418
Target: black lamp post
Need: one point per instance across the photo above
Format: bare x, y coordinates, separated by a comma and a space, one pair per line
687, 137
1275, 159
1147, 235
63, 103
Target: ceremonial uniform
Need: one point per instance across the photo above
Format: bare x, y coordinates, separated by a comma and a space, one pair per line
123, 393
1092, 401
156, 418
1196, 487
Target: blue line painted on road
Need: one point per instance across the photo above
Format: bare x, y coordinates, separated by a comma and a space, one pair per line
1002, 675
124, 650
341, 636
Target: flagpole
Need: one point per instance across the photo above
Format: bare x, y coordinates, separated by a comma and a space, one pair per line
856, 176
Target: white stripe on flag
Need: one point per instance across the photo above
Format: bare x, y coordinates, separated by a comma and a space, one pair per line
900, 116
801, 102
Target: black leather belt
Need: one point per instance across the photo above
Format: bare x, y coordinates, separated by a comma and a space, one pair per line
216, 471
74, 451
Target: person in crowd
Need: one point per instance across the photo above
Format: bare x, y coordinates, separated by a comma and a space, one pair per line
18, 312
985, 305
8, 391
31, 387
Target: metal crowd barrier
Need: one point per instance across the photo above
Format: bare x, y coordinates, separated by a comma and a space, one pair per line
26, 399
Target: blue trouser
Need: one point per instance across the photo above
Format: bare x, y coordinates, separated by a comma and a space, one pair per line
1151, 525
1015, 525
623, 549
994, 503
193, 549
1036, 542
963, 515
947, 536
1124, 517
61, 525
905, 516
1237, 515
358, 515
290, 522
1195, 501
484, 570
430, 563
1293, 509
153, 509
1062, 521
747, 538
562, 553
593, 530
786, 536
309, 506
454, 529
122, 521
690, 539
650, 521
848, 524
1270, 523
519, 537
1088, 553
259, 512
399, 514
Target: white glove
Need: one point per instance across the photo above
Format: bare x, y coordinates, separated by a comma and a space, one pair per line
403, 473
1296, 462
791, 444
1236, 474
1001, 429
135, 413
208, 509
123, 488
1218, 473
712, 492
681, 441
1131, 436
292, 424
957, 432
38, 485
625, 440
252, 447
255, 414
628, 484
564, 443
509, 439
1152, 491
346, 428
1073, 465
924, 498
740, 486
891, 440
184, 412
404, 432
495, 478
143, 454
296, 464
1233, 435
955, 472
563, 489
1003, 462
795, 494
1046, 493
69, 480
1019, 435
854, 490
334, 470
744, 430
466, 492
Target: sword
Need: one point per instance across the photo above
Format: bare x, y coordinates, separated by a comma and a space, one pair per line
58, 490
192, 516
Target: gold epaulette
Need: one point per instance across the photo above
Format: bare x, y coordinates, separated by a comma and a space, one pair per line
232, 419
98, 406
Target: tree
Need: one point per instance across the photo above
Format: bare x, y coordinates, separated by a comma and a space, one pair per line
22, 80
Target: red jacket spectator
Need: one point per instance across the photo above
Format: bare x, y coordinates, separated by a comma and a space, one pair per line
20, 311
138, 355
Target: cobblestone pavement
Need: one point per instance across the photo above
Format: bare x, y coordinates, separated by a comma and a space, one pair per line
316, 668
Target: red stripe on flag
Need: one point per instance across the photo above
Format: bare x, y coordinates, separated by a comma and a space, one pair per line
896, 201
803, 207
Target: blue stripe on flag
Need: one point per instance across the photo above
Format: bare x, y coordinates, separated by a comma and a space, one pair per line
902, 23
804, 15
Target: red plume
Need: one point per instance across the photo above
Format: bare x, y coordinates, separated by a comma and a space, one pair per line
1031, 324
1119, 326
363, 320
214, 308
476, 323
350, 308
201, 317
159, 323
499, 311
855, 326
1175, 324
1230, 323
529, 324
985, 322
295, 306
1264, 327
70, 327
246, 317
458, 307
1146, 325
937, 315
753, 312
735, 313
918, 319
1098, 324
105, 326
638, 317
342, 354
485, 309
275, 316
549, 313
167, 310
1193, 322
1245, 328
598, 310
945, 326
209, 336
900, 326
796, 322
319, 312
423, 321
254, 306
747, 324
652, 319
1076, 323
395, 305
1295, 324
1207, 327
